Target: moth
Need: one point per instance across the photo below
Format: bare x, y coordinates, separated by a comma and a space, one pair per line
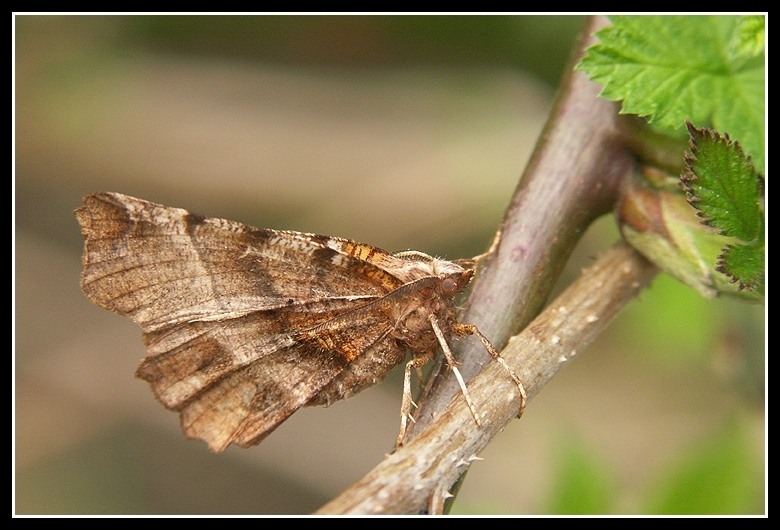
243, 326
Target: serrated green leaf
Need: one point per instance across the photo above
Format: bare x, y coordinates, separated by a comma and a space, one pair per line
676, 68
745, 264
723, 185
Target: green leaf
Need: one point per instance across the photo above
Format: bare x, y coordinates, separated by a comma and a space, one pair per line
723, 185
744, 264
749, 37
705, 69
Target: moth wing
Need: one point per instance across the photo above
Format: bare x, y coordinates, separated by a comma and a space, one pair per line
235, 381
243, 326
163, 266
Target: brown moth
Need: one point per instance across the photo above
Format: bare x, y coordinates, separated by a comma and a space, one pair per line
243, 326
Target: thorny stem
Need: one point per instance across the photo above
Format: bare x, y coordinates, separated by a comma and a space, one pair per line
573, 178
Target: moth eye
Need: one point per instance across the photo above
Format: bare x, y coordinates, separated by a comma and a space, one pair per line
449, 286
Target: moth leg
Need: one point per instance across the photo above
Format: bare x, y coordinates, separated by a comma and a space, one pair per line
469, 329
406, 401
453, 365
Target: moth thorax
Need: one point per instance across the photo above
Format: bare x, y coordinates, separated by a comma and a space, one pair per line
413, 267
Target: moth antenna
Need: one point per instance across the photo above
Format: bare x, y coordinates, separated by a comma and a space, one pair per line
413, 254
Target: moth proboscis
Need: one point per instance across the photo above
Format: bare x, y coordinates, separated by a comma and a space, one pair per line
243, 326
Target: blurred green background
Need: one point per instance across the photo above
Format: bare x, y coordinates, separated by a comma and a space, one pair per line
399, 131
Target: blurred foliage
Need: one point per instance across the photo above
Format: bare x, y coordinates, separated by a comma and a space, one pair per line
717, 475
674, 326
583, 483
92, 484
134, 469
360, 41
683, 327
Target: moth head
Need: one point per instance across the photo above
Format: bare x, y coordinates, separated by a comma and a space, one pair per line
453, 283
453, 276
